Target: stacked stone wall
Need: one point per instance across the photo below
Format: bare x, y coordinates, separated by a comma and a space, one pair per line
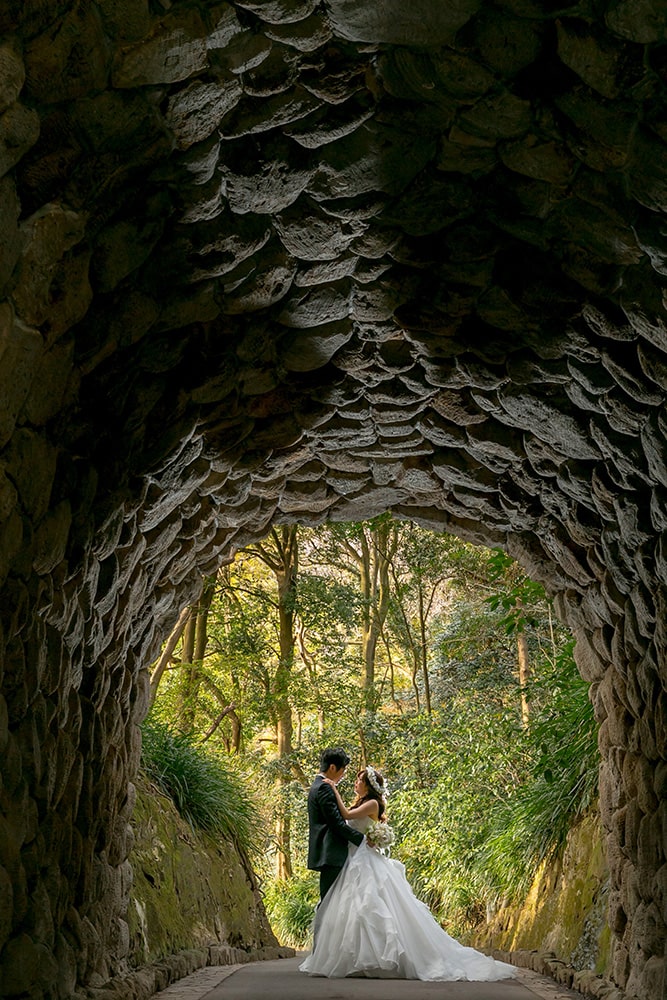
265, 262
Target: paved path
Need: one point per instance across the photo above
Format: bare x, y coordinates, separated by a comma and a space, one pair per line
281, 980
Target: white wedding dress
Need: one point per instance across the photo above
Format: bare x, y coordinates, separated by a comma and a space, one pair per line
370, 923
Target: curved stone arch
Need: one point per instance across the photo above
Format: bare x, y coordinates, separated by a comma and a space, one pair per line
271, 261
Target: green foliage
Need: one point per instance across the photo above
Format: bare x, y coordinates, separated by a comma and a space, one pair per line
207, 790
291, 908
519, 596
471, 650
463, 772
479, 798
489, 800
329, 609
562, 783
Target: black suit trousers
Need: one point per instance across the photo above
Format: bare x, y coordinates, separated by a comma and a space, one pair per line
328, 875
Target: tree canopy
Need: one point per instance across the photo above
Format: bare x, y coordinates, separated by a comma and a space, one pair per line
439, 662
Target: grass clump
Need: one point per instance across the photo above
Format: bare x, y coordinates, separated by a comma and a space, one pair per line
498, 798
206, 789
561, 787
291, 908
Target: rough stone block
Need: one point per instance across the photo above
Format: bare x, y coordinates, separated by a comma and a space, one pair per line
597, 62
50, 233
31, 464
590, 664
67, 62
420, 24
20, 350
641, 21
647, 171
51, 538
27, 966
19, 131
12, 243
195, 112
12, 76
67, 965
175, 50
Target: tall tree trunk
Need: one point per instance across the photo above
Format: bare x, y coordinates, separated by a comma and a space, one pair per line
185, 671
366, 587
377, 550
283, 560
415, 684
195, 638
228, 711
392, 673
167, 653
235, 743
188, 647
416, 660
287, 580
524, 676
424, 650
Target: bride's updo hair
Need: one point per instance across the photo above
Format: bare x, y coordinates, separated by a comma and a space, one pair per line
374, 784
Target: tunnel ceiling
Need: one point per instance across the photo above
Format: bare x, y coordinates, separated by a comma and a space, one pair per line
302, 260
295, 261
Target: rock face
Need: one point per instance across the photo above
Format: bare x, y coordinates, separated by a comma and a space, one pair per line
278, 260
189, 890
563, 915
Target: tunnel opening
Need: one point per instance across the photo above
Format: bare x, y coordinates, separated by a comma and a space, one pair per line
417, 652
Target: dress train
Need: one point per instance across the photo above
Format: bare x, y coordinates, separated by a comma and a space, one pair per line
371, 924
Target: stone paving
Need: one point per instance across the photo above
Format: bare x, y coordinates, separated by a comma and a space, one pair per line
282, 981
198, 984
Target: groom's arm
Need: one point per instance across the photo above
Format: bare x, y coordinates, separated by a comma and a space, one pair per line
333, 818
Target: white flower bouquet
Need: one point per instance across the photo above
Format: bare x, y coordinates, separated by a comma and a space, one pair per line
380, 835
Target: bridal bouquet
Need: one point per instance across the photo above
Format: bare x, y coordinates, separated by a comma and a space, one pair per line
380, 835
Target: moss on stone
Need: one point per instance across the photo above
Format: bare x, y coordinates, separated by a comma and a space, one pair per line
565, 910
189, 890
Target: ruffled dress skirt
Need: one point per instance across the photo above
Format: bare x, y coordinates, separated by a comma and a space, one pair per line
371, 924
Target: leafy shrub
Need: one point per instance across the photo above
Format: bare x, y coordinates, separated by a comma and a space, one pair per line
532, 825
206, 789
291, 908
496, 799
442, 814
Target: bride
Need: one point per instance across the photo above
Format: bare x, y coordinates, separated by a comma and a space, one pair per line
371, 924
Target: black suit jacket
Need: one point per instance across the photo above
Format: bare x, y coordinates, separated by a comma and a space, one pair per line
329, 834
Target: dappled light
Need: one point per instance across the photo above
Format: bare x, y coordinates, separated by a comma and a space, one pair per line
438, 662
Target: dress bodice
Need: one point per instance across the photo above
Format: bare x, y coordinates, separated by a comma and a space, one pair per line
360, 824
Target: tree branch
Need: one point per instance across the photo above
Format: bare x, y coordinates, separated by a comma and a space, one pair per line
227, 710
169, 648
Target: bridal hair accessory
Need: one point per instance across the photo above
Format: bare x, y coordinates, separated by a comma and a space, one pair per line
374, 783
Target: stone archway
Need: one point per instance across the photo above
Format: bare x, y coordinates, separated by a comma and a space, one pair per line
287, 259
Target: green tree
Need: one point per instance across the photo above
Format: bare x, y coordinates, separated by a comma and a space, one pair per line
400, 644
280, 553
521, 599
363, 552
427, 570
193, 651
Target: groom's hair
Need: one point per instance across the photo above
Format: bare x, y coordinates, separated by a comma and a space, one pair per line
333, 755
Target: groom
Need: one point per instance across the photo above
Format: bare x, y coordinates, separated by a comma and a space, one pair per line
328, 832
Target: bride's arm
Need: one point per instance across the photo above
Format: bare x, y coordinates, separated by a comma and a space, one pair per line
344, 811
367, 808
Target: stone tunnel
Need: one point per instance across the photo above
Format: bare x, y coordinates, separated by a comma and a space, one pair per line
266, 261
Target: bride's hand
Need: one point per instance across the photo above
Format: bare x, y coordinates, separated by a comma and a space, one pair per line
328, 781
